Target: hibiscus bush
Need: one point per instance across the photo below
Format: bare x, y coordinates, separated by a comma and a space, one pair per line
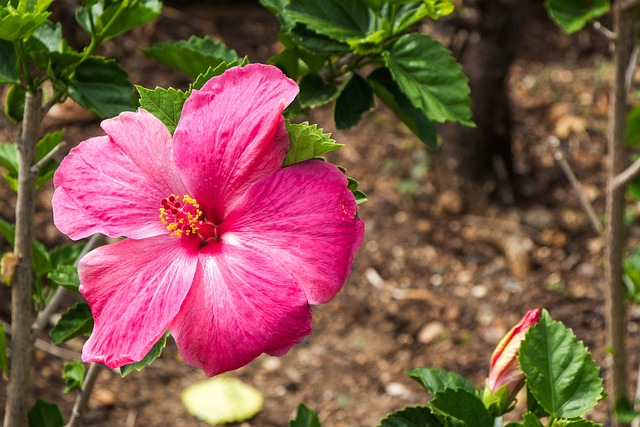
226, 223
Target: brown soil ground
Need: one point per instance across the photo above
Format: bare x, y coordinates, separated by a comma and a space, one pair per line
431, 286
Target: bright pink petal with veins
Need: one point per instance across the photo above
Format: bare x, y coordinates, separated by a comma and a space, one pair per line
241, 305
231, 134
135, 289
114, 184
304, 218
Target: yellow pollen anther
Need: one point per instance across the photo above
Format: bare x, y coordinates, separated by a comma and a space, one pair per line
181, 217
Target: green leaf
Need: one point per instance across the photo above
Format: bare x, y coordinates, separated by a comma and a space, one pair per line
8, 231
40, 262
341, 20
193, 56
44, 147
413, 416
14, 102
221, 400
305, 417
111, 18
559, 369
575, 423
307, 141
4, 363
153, 354
463, 406
317, 43
572, 15
16, 26
216, 71
415, 119
353, 187
44, 414
46, 38
631, 276
74, 322
8, 63
73, 375
65, 254
632, 128
355, 99
9, 158
102, 87
437, 380
431, 79
314, 92
66, 276
165, 104
531, 420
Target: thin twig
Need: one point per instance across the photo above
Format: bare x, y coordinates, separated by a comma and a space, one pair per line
58, 296
560, 157
625, 177
631, 70
597, 25
83, 396
36, 168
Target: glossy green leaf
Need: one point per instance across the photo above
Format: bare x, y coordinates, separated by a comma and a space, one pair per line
165, 104
355, 99
531, 420
102, 87
221, 400
305, 417
631, 276
9, 158
74, 322
14, 103
559, 369
431, 79
66, 276
341, 20
307, 141
193, 56
152, 355
16, 26
111, 18
46, 38
317, 43
73, 375
572, 15
44, 414
436, 380
415, 119
461, 405
8, 63
216, 71
315, 92
66, 254
4, 362
353, 187
413, 416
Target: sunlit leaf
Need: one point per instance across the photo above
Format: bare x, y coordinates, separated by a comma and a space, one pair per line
66, 276
111, 18
165, 104
73, 375
572, 15
307, 141
74, 322
341, 20
435, 380
461, 405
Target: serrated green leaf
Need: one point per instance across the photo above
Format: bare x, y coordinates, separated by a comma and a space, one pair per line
314, 92
414, 416
66, 254
8, 63
436, 380
111, 18
102, 87
317, 43
193, 56
165, 104
415, 119
430, 78
74, 322
46, 38
307, 141
531, 420
341, 20
632, 128
355, 99
16, 26
461, 405
73, 375
4, 363
305, 417
66, 276
559, 369
44, 414
222, 400
152, 355
216, 71
14, 102
572, 15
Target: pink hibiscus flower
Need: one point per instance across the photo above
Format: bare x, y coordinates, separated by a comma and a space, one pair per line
224, 248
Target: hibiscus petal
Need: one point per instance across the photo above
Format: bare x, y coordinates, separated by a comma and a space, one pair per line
241, 305
114, 184
304, 218
135, 289
231, 134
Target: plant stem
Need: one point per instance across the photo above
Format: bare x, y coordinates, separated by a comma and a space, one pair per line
615, 229
83, 396
21, 302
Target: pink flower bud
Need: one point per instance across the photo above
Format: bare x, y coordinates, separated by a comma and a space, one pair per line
504, 363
